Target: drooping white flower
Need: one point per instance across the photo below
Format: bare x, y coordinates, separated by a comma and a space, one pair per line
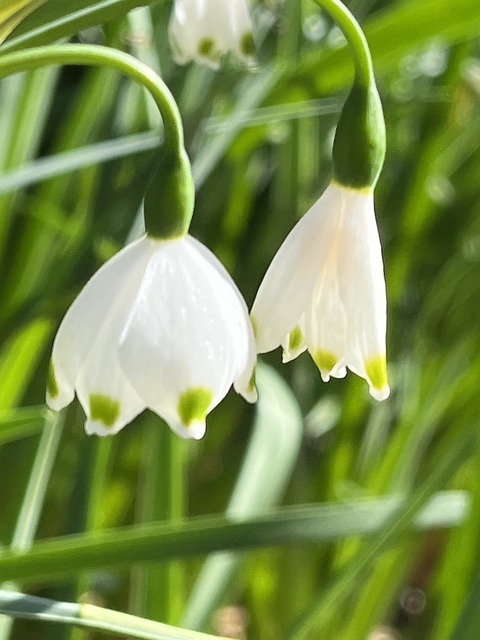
204, 30
325, 291
161, 326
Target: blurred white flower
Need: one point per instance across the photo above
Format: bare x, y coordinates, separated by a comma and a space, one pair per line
161, 326
204, 30
325, 291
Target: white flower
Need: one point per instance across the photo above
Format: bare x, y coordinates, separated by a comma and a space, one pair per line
325, 291
204, 30
161, 326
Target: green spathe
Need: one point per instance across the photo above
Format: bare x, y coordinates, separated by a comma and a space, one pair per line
359, 145
193, 405
169, 199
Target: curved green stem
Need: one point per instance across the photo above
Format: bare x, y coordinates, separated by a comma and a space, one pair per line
173, 182
97, 55
355, 38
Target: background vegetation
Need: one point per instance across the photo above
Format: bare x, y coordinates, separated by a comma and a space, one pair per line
337, 517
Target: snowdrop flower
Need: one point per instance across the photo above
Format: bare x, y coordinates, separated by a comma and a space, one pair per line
325, 291
161, 326
204, 30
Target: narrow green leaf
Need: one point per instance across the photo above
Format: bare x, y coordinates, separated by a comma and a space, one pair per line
407, 24
69, 161
13, 12
18, 359
60, 19
92, 617
121, 547
16, 424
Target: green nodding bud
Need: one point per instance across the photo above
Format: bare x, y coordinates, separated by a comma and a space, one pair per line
170, 197
359, 145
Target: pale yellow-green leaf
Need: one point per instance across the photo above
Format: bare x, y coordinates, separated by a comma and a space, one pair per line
13, 12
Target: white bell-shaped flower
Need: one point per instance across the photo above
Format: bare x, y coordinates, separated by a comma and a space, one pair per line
325, 291
161, 326
204, 30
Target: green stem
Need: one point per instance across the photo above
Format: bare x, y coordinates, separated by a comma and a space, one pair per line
96, 55
91, 617
355, 38
173, 181
33, 501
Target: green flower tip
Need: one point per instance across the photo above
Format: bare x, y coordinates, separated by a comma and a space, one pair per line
206, 47
52, 385
254, 324
295, 339
247, 45
193, 405
376, 369
251, 382
104, 409
325, 360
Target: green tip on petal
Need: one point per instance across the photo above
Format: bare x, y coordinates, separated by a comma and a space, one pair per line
376, 370
254, 323
325, 361
193, 405
295, 339
251, 382
52, 385
206, 47
247, 45
104, 409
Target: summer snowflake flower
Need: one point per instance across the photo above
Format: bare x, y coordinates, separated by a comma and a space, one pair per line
161, 326
204, 30
325, 291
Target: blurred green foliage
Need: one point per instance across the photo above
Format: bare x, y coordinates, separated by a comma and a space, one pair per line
260, 145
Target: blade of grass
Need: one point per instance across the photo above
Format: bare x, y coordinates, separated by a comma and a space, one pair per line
69, 556
91, 617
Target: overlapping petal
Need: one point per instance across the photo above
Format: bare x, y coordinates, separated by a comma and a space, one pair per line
204, 30
325, 290
90, 315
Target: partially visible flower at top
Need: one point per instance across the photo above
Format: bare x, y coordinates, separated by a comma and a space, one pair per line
161, 326
204, 30
325, 290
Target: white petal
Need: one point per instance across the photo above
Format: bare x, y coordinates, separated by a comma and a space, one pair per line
204, 30
346, 322
286, 290
294, 343
116, 280
179, 337
240, 328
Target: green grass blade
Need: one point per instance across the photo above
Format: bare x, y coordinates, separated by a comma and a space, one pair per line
150, 543
91, 617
